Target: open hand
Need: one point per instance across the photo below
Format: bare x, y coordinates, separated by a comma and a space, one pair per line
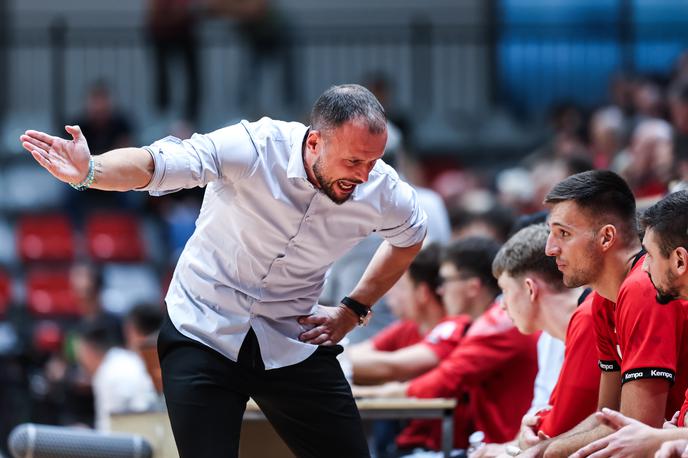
331, 324
66, 160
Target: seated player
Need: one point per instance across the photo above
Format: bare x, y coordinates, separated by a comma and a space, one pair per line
474, 372
415, 299
470, 296
536, 299
666, 263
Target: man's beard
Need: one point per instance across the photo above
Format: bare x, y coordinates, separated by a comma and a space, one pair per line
328, 187
664, 296
587, 274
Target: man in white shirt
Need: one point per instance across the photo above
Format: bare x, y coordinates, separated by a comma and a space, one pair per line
119, 378
283, 202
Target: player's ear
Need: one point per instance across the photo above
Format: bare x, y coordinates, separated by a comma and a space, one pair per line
679, 260
532, 288
607, 236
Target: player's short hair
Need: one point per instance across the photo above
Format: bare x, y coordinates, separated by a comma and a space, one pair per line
668, 219
605, 198
146, 318
425, 268
474, 256
524, 254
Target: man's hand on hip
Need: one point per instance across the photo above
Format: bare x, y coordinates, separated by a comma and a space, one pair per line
331, 324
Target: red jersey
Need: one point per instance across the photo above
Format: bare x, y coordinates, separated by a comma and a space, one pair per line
400, 334
642, 338
442, 340
491, 374
447, 334
575, 395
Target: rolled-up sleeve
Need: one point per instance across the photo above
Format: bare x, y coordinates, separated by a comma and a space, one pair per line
225, 154
404, 223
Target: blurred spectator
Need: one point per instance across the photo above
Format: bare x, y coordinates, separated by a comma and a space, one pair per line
680, 70
87, 284
678, 105
118, 376
102, 123
141, 327
381, 86
648, 100
107, 128
265, 33
621, 90
647, 165
494, 223
567, 122
172, 28
607, 134
545, 173
68, 386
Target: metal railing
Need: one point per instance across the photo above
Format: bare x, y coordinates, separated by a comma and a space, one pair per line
436, 71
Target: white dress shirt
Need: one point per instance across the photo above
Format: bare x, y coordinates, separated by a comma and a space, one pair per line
265, 236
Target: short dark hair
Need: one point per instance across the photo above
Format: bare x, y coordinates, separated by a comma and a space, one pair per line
425, 268
348, 102
146, 318
474, 255
602, 194
524, 253
668, 219
497, 217
96, 334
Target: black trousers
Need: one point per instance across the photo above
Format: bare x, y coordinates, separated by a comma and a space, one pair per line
309, 404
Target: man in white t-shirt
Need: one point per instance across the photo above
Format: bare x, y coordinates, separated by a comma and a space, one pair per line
118, 376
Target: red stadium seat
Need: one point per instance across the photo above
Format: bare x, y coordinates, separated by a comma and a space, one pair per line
45, 238
5, 292
114, 237
49, 293
48, 337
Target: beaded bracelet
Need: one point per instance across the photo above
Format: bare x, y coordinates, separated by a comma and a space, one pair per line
88, 181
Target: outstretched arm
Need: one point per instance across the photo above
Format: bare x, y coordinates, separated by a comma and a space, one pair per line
69, 161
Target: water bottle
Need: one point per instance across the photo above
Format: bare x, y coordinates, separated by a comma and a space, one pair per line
475, 441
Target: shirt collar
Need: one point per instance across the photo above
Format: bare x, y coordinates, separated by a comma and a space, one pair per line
295, 167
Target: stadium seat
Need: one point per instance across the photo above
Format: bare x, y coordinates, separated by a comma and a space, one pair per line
126, 285
114, 237
28, 187
45, 238
48, 337
49, 293
5, 292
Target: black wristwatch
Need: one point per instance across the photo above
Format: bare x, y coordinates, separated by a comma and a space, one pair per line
363, 311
